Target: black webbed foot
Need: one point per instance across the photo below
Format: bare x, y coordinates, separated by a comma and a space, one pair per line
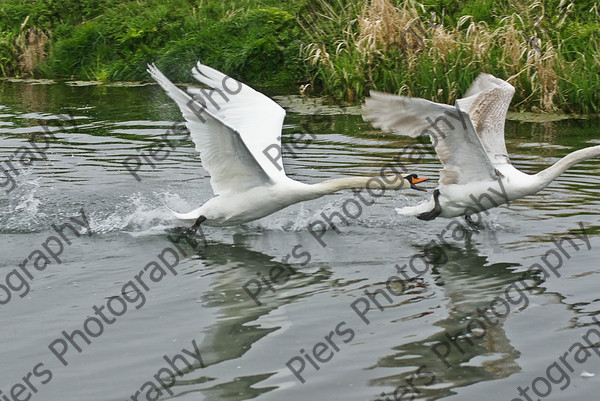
190, 231
435, 212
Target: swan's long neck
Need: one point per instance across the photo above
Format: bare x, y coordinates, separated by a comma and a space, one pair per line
376, 183
551, 173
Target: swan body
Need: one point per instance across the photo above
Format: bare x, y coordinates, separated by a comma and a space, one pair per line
234, 208
477, 174
231, 125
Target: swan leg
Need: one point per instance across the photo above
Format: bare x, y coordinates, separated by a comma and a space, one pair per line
197, 223
475, 226
192, 230
435, 212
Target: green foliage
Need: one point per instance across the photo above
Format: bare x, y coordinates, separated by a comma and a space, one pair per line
268, 42
550, 52
268, 51
8, 63
114, 40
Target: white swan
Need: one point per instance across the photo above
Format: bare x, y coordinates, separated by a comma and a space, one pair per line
231, 126
469, 140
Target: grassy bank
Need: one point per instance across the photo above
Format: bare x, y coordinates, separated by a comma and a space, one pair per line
549, 50
111, 40
551, 57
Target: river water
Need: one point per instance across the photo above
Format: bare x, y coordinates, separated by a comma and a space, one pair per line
81, 326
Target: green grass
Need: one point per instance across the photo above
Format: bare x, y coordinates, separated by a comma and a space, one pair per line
321, 42
109, 40
551, 57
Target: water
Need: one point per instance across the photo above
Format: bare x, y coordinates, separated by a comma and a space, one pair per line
202, 305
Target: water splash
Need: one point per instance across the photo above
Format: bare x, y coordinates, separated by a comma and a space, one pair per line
21, 210
31, 209
138, 215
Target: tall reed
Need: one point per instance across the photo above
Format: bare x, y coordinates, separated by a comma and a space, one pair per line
410, 50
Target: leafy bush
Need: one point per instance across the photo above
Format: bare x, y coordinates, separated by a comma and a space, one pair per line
549, 48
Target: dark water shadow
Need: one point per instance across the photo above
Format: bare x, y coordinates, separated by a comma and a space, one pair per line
464, 356
234, 333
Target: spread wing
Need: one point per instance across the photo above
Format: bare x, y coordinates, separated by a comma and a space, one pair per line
451, 130
257, 118
227, 133
487, 102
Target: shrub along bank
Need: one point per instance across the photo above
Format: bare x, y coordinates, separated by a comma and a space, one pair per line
549, 50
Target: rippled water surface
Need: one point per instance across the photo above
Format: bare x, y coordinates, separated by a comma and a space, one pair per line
311, 321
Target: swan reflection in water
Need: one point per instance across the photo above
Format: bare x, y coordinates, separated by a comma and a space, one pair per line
233, 343
235, 331
452, 355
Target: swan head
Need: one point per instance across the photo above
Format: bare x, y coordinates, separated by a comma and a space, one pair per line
414, 179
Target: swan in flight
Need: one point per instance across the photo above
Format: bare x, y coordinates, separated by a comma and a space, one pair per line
231, 126
469, 140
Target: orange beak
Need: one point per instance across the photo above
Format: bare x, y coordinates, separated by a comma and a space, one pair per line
418, 180
413, 179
